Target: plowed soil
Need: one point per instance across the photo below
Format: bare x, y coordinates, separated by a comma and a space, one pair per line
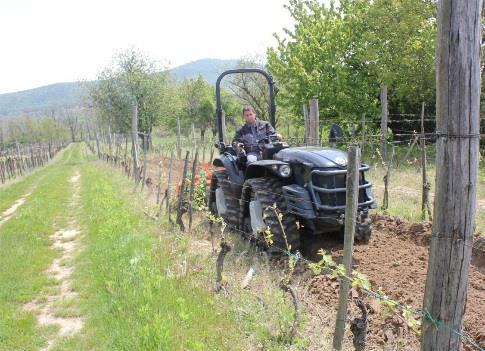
396, 260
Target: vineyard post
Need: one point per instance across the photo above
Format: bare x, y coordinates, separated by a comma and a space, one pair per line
180, 206
145, 147
384, 114
306, 122
192, 185
362, 138
192, 127
179, 142
19, 156
134, 141
110, 141
169, 185
314, 128
387, 178
352, 193
426, 185
159, 189
459, 34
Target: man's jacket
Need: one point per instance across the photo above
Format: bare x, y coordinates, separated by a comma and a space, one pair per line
252, 135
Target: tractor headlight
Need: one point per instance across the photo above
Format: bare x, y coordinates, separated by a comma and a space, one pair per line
284, 171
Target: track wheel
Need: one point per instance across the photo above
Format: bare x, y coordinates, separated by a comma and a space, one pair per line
256, 215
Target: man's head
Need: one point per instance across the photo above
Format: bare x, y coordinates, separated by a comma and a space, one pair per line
249, 114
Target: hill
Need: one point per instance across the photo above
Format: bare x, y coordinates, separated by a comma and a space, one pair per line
209, 69
42, 100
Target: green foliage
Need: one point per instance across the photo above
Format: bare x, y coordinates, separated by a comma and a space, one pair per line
133, 79
198, 104
26, 130
341, 55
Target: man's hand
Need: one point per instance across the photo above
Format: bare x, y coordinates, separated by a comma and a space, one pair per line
238, 146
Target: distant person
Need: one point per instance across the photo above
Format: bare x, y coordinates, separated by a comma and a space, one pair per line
250, 135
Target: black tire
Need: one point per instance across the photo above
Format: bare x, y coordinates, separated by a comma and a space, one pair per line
269, 192
220, 180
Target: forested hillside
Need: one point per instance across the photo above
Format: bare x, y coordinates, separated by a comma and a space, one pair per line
41, 101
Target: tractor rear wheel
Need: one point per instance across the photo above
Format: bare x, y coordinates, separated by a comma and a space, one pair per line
228, 207
258, 197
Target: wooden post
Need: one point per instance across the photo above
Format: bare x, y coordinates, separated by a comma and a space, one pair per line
314, 127
352, 194
306, 123
145, 147
134, 141
192, 186
384, 122
426, 185
192, 137
182, 195
362, 138
159, 188
169, 185
387, 178
179, 142
457, 154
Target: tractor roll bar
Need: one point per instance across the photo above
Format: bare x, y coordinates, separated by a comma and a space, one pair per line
272, 104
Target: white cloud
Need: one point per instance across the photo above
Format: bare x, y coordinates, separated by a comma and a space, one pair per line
63, 40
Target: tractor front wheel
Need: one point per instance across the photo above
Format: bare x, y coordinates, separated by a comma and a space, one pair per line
261, 202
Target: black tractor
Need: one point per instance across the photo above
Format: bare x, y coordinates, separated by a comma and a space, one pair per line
307, 185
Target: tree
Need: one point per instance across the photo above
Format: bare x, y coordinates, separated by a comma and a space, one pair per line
251, 88
132, 79
341, 55
197, 104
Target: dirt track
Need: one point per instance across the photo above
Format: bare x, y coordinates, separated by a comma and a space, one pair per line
396, 259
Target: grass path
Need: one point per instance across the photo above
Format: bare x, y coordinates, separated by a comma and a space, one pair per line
25, 250
83, 269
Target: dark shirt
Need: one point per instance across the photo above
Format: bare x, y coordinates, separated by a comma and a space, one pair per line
251, 135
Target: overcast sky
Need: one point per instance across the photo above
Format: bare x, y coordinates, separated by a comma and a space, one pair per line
49, 41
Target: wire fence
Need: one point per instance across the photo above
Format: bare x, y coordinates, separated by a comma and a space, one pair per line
109, 154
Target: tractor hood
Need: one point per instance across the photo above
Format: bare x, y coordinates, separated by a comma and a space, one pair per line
314, 156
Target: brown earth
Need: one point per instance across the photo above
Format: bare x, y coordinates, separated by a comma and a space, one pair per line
396, 260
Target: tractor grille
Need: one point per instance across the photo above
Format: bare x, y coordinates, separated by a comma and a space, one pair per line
330, 182
329, 188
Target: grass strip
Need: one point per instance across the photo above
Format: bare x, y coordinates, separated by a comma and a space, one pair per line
25, 253
129, 301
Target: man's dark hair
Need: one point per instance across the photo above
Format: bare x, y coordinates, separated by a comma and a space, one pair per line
248, 108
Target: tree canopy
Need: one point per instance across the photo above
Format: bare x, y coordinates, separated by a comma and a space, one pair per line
342, 54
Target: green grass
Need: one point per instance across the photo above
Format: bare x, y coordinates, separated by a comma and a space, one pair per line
405, 190
26, 253
129, 303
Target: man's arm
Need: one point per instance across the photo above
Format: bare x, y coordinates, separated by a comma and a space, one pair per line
238, 137
269, 129
271, 132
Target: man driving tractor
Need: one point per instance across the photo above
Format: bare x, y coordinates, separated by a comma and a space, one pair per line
249, 136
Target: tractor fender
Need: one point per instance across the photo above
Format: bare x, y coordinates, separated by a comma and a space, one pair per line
234, 174
260, 168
